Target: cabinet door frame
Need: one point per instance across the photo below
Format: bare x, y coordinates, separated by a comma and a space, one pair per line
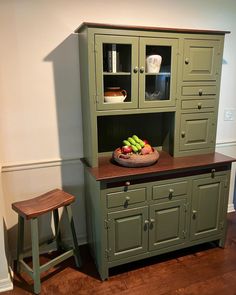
108, 39
138, 216
157, 41
176, 208
196, 74
185, 142
202, 211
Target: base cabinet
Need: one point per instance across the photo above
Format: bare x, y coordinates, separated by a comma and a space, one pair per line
147, 218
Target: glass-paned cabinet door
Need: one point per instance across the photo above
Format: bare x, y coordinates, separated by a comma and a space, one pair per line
116, 72
158, 71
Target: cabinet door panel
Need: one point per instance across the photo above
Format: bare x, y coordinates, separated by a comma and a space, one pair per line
196, 131
127, 233
116, 63
201, 60
206, 207
167, 227
158, 88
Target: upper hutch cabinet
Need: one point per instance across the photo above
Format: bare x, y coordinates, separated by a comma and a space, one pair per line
121, 61
161, 84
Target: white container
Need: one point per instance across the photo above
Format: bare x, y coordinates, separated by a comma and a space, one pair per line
114, 99
153, 63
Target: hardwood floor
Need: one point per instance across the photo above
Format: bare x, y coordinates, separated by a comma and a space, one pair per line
204, 270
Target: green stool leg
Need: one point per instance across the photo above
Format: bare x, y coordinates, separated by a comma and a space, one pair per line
57, 229
72, 227
20, 242
35, 255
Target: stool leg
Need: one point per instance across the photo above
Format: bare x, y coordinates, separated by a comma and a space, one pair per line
20, 242
35, 255
72, 227
57, 229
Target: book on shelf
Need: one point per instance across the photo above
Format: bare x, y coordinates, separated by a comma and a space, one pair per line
113, 59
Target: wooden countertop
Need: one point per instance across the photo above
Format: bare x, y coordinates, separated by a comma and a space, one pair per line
108, 171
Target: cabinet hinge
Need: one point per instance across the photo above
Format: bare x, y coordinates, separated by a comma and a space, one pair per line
108, 253
222, 225
107, 223
186, 207
226, 183
95, 98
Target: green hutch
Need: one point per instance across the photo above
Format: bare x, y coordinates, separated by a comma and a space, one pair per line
135, 213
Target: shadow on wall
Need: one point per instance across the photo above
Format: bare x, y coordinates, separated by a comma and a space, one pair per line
234, 196
65, 61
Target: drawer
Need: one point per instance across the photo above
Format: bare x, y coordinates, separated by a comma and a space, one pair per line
169, 190
200, 90
198, 104
126, 198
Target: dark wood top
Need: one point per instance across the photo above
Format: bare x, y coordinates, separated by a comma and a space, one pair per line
109, 171
144, 28
47, 202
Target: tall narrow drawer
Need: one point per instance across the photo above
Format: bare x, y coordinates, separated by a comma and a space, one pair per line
198, 104
200, 90
169, 190
124, 199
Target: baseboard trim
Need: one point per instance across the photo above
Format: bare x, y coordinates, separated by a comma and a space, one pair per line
6, 284
230, 143
230, 208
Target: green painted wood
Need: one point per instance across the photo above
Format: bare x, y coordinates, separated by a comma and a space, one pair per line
169, 64
126, 198
167, 224
200, 90
128, 80
208, 197
35, 255
200, 60
57, 229
20, 242
127, 233
74, 238
198, 104
183, 125
197, 131
169, 190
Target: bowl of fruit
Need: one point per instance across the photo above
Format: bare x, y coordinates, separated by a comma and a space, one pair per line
135, 152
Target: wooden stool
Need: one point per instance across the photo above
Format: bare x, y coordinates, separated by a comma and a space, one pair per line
31, 210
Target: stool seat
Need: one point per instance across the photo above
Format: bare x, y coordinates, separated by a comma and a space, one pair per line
42, 204
31, 210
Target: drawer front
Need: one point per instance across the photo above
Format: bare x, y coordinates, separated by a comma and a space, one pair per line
126, 198
198, 104
169, 190
200, 90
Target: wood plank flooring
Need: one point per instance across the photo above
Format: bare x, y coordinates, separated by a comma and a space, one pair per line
204, 270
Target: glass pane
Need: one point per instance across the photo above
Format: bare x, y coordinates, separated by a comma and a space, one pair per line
117, 72
161, 55
157, 87
158, 72
116, 58
121, 84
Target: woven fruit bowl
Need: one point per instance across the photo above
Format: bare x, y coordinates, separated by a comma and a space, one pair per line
135, 160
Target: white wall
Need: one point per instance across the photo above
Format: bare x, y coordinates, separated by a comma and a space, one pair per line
40, 114
5, 279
